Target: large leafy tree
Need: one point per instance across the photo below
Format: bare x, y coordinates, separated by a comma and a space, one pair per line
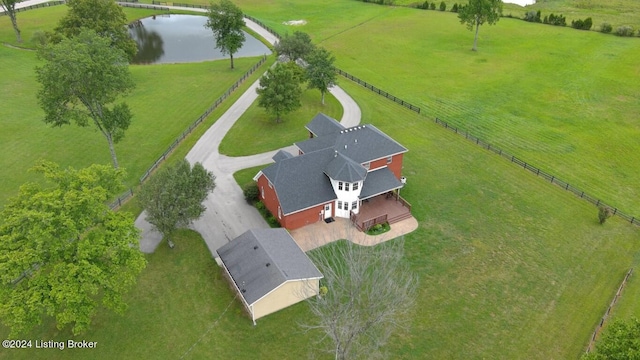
479, 12
81, 80
10, 8
320, 71
294, 47
367, 295
63, 252
105, 17
621, 340
173, 197
279, 92
226, 22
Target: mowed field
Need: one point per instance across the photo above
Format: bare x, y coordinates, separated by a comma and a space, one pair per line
167, 99
561, 99
509, 268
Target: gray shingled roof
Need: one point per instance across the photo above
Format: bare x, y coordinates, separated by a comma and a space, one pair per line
322, 124
246, 258
281, 154
379, 181
300, 181
361, 143
344, 169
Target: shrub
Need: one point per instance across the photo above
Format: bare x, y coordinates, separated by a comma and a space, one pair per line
432, 6
557, 20
273, 222
454, 8
425, 5
625, 31
530, 16
603, 214
443, 6
606, 28
582, 24
251, 192
260, 206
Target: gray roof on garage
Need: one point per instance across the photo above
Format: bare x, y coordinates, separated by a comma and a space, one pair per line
261, 260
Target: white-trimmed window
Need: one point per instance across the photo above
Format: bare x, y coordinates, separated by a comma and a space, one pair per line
262, 191
346, 205
389, 159
339, 185
354, 205
340, 205
346, 186
355, 186
279, 213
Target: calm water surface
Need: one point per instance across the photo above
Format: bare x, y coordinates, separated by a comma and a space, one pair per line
183, 38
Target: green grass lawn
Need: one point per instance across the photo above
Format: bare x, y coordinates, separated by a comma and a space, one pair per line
510, 266
167, 99
498, 252
564, 100
256, 131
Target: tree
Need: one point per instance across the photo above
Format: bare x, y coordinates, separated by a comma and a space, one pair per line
321, 74
603, 214
279, 92
368, 294
173, 197
105, 17
81, 77
294, 47
226, 22
63, 252
621, 340
10, 8
478, 12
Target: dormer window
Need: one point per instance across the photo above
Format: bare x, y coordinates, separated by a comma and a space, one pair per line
346, 186
389, 159
355, 186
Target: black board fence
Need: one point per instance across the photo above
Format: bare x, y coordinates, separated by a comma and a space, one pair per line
36, 6
165, 3
600, 325
376, 90
201, 118
129, 193
525, 165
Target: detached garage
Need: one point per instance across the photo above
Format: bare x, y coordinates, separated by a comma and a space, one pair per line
269, 271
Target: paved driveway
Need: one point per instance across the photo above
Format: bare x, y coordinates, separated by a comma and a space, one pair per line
228, 215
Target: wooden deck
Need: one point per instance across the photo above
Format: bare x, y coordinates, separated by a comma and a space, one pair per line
381, 209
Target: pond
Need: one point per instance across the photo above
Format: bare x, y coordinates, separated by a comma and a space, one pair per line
183, 38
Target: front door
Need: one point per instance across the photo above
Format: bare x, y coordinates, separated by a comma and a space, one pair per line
327, 211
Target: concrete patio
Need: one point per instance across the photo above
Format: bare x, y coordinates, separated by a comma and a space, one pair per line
320, 233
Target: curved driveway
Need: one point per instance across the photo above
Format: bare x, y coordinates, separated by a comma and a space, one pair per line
228, 214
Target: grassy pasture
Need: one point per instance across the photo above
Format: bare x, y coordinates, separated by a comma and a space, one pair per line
563, 100
168, 98
499, 252
257, 132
